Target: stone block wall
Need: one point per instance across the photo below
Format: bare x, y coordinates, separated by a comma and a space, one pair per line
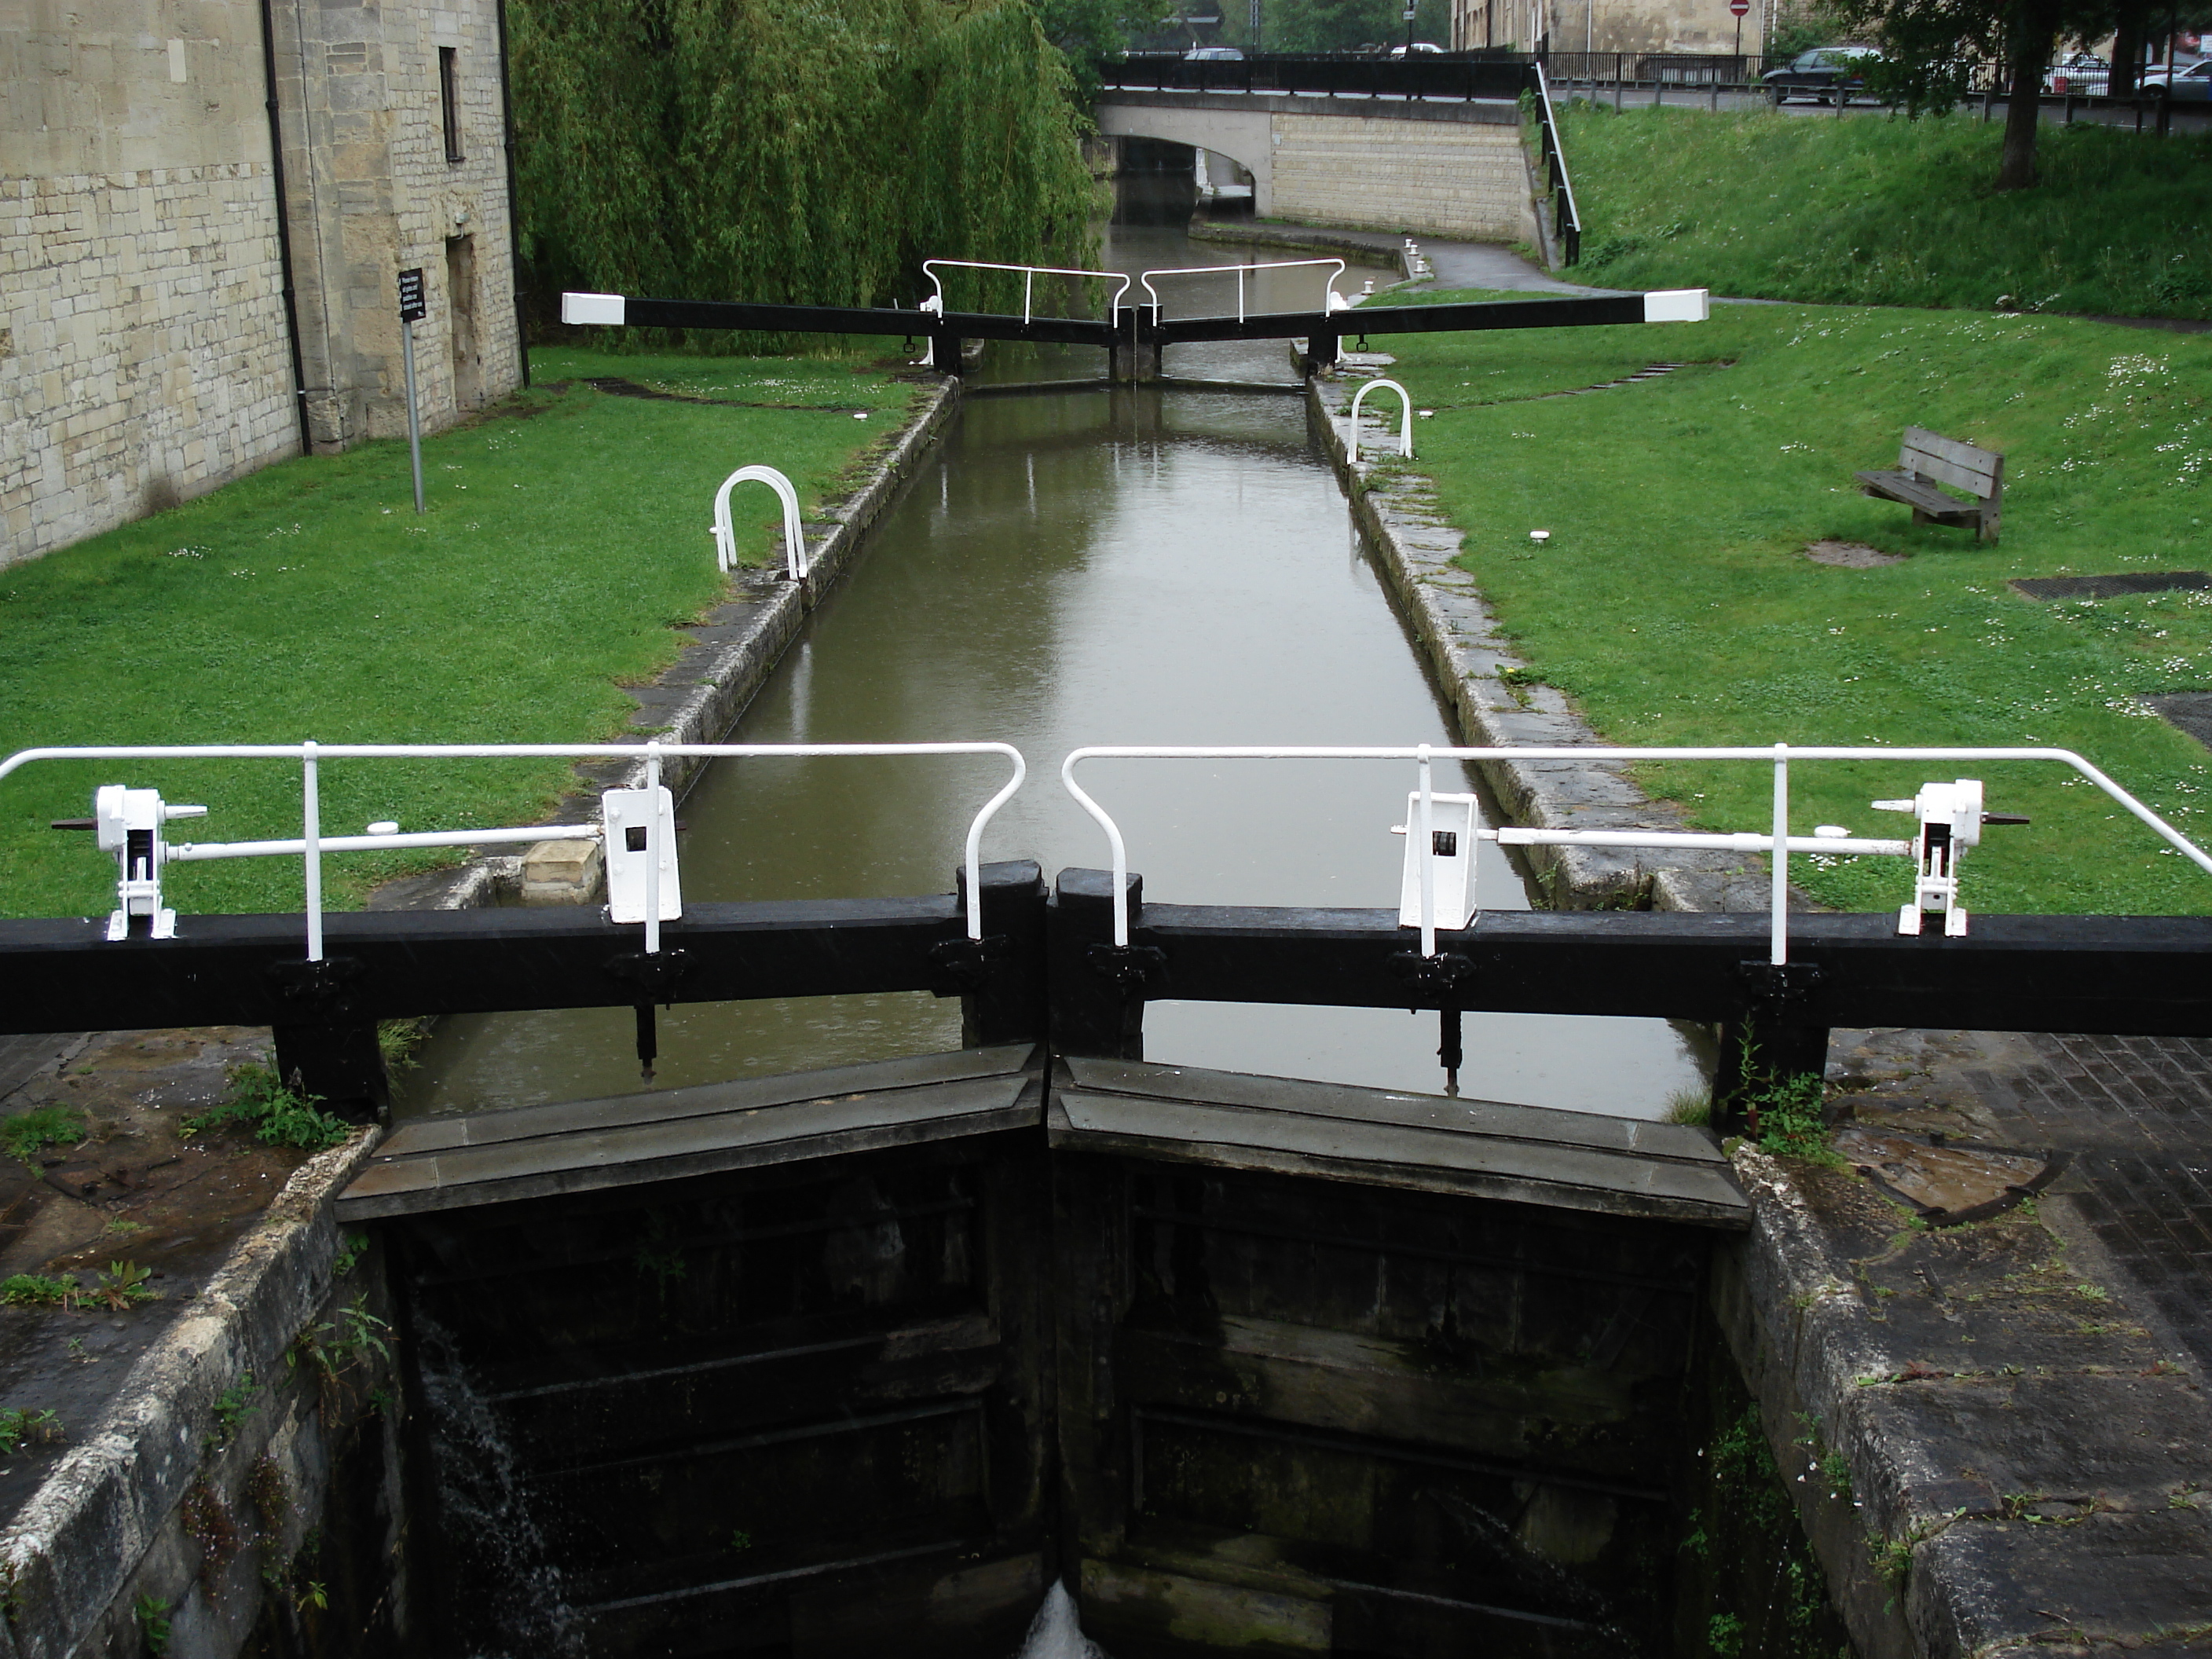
143, 351
374, 193
1464, 179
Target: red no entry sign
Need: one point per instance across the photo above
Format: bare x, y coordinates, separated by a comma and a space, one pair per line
1739, 8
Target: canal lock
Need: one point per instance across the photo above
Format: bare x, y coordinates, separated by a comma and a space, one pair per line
878, 1399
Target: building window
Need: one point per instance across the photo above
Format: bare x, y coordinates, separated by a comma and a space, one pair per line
449, 101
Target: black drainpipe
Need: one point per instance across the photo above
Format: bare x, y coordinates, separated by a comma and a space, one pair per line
283, 223
514, 220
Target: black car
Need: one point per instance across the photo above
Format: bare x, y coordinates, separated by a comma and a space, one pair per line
1822, 75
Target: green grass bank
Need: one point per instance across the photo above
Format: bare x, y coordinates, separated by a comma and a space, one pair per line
1874, 210
1674, 604
566, 535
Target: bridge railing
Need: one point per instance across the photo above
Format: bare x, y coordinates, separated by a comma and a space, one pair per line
1029, 275
1331, 300
1500, 78
1566, 217
1948, 811
129, 822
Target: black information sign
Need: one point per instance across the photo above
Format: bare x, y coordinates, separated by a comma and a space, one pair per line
413, 307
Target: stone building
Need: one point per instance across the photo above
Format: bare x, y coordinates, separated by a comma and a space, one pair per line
1608, 26
185, 299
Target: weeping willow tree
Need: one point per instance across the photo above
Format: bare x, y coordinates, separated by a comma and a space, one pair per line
762, 149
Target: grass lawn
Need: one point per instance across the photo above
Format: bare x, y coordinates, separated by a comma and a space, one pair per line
566, 534
1672, 601
1886, 211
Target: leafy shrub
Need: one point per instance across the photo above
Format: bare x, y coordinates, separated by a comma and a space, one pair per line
278, 1117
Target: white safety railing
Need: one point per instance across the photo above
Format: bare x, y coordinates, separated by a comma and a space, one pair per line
1331, 301
1778, 843
122, 813
795, 564
1029, 274
1405, 419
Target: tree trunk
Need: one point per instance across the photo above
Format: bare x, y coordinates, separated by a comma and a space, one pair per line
2127, 53
2031, 46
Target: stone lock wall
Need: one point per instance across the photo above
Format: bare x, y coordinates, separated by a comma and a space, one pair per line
145, 356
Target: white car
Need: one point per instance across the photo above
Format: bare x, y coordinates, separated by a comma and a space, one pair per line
2192, 80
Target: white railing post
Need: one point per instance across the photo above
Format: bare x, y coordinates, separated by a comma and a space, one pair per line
1777, 950
652, 847
1428, 868
311, 835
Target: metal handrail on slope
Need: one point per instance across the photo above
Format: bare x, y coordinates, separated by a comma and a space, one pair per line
1777, 844
1029, 274
1331, 301
312, 844
1569, 227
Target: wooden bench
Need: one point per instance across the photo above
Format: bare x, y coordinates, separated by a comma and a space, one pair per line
1927, 460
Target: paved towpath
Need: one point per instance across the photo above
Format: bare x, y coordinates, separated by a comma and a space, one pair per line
2133, 1115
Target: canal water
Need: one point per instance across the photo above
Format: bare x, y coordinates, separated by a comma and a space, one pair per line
1091, 565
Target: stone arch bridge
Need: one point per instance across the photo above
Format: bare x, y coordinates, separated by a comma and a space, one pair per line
1453, 168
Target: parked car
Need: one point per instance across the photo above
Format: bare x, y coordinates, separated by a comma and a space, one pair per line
1213, 55
2189, 81
2082, 73
1823, 74
1421, 48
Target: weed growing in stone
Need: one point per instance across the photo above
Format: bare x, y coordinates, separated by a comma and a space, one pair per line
121, 1286
29, 1134
233, 1407
277, 1115
153, 1616
38, 1291
19, 1429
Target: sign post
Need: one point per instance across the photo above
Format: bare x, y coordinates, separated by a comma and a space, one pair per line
413, 309
1737, 9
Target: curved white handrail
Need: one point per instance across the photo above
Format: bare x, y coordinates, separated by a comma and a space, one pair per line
1778, 845
795, 564
1333, 301
1031, 273
1405, 419
312, 755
